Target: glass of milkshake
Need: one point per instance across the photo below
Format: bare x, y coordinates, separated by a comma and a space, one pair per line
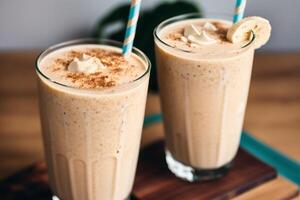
92, 103
204, 69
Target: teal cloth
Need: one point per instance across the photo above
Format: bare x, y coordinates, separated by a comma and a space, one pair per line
284, 165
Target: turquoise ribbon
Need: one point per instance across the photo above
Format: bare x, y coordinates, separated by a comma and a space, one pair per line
284, 165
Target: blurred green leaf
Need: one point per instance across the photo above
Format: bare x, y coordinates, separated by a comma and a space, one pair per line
148, 20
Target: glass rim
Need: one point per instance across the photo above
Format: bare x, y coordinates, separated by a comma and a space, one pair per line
83, 41
188, 16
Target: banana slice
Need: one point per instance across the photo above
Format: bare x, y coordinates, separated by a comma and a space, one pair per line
242, 31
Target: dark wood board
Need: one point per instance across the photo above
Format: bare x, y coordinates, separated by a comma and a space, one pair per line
153, 180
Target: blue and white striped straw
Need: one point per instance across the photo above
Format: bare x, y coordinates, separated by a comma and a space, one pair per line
131, 26
239, 10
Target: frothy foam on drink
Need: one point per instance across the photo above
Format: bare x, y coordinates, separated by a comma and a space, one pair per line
92, 66
201, 38
212, 38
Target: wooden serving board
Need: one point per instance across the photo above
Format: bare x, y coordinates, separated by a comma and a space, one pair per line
153, 180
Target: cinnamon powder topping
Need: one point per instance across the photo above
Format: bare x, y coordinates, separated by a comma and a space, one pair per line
114, 62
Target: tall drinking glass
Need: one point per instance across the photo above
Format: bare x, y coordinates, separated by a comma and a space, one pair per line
203, 91
91, 135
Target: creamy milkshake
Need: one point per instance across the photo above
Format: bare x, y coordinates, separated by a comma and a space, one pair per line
92, 103
204, 80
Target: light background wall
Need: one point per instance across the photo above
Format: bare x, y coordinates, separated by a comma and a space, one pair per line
33, 24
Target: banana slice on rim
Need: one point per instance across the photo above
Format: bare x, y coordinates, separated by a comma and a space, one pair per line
242, 31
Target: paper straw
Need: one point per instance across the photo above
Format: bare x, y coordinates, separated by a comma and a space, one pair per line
131, 26
239, 10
